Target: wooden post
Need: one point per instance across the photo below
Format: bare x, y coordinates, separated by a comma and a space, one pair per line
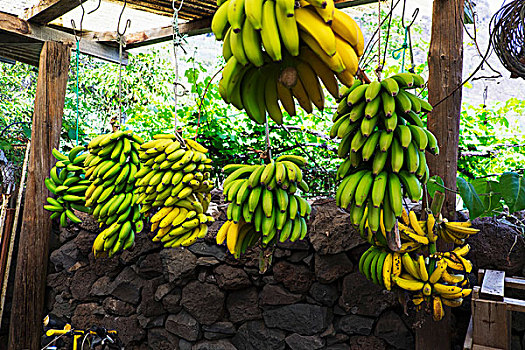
445, 61
25, 328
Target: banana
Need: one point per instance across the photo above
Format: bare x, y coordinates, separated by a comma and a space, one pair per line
344, 26
406, 284
308, 21
254, 13
410, 266
335, 62
390, 86
321, 69
270, 32
236, 15
251, 43
379, 189
311, 84
287, 26
219, 21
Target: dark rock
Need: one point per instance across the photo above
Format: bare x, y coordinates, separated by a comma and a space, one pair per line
65, 256
149, 266
62, 308
127, 286
101, 287
204, 301
105, 266
329, 268
230, 278
129, 329
171, 302
206, 249
297, 245
330, 230
218, 330
184, 344
362, 297
281, 253
304, 319
254, 335
151, 322
391, 328
183, 325
242, 305
58, 282
355, 324
491, 247
297, 278
222, 344
272, 294
308, 260
207, 261
86, 315
143, 245
162, 291
84, 242
340, 347
366, 342
89, 223
161, 339
117, 307
297, 256
148, 305
81, 283
336, 338
324, 293
178, 263
304, 342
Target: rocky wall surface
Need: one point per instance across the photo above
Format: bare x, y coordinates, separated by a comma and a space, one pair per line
311, 296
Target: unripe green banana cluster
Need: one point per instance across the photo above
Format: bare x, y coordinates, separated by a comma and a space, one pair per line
264, 204
111, 166
277, 51
175, 179
383, 143
68, 182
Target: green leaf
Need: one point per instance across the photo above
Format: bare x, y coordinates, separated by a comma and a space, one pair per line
512, 188
433, 185
470, 198
489, 193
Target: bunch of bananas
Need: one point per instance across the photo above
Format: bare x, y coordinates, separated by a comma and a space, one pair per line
264, 204
67, 181
380, 266
383, 144
429, 280
456, 232
275, 51
175, 179
111, 166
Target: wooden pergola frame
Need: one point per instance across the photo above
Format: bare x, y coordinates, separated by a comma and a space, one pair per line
33, 41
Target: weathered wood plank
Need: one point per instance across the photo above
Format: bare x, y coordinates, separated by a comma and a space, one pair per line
493, 286
29, 286
152, 36
491, 323
20, 29
445, 61
48, 10
515, 304
467, 345
481, 347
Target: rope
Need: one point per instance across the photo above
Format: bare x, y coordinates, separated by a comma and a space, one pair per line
407, 41
268, 145
178, 40
122, 43
76, 88
77, 39
379, 23
202, 101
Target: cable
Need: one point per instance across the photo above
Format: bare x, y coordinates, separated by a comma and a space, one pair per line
178, 40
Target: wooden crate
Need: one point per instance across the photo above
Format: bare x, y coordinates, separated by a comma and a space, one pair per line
490, 324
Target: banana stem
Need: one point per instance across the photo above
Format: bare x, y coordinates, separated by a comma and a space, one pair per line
435, 208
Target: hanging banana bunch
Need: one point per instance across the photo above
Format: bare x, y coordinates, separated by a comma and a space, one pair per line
111, 166
175, 183
277, 52
68, 182
383, 144
264, 204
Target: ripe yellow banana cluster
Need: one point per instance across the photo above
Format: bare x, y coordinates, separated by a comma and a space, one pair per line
456, 232
68, 182
111, 166
264, 204
175, 180
383, 144
312, 41
430, 281
380, 266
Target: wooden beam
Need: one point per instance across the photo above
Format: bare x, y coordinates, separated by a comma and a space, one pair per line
25, 327
445, 61
48, 10
152, 36
19, 30
341, 4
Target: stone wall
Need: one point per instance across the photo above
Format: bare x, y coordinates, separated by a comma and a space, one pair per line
310, 297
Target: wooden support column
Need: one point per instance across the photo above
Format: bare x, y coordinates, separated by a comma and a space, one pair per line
445, 61
25, 328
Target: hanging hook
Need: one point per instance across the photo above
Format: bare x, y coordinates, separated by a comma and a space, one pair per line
128, 22
73, 25
96, 8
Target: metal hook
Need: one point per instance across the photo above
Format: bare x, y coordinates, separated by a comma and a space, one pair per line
78, 37
96, 8
414, 16
128, 22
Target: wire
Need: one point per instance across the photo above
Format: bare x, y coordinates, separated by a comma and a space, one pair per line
178, 40
78, 38
122, 43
